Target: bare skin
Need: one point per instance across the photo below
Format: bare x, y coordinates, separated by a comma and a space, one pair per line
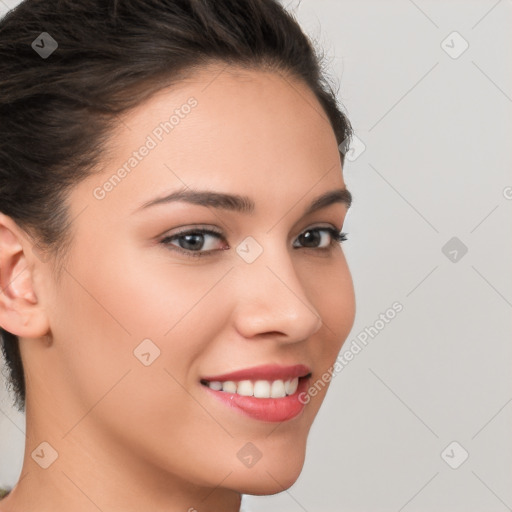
131, 437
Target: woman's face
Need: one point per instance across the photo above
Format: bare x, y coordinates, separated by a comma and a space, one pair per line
139, 320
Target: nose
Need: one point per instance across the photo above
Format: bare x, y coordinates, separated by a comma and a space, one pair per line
271, 300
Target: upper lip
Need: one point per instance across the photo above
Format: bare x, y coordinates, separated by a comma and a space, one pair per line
263, 372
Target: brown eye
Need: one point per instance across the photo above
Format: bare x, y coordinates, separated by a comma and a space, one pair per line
312, 238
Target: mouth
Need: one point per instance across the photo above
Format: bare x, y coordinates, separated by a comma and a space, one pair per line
266, 393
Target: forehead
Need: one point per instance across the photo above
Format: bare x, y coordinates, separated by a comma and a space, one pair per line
232, 105
229, 129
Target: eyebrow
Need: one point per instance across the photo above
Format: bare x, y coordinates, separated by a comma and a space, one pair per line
243, 204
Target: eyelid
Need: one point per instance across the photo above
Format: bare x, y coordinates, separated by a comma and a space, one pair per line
192, 229
206, 228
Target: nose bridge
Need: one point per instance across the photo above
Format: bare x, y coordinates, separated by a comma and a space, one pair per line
271, 295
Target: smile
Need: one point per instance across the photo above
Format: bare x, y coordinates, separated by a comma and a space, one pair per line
266, 393
259, 389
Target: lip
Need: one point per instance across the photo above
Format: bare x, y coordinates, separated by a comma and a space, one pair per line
263, 372
264, 409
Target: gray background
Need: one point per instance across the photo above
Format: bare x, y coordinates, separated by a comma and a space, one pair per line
435, 165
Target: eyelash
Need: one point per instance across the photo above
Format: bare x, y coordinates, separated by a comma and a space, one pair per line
337, 237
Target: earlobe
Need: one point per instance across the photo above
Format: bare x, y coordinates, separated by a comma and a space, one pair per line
21, 312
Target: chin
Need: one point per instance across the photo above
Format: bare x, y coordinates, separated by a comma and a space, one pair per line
271, 476
270, 483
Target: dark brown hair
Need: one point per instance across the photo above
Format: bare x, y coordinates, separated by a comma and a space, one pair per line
56, 112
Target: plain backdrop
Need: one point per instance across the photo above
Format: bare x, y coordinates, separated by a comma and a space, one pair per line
420, 419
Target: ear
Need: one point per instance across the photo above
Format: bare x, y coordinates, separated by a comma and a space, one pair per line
21, 312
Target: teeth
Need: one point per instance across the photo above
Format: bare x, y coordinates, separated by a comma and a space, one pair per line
216, 385
277, 389
262, 389
229, 386
245, 388
290, 386
258, 389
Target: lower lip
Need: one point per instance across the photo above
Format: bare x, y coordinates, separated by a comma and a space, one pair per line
265, 409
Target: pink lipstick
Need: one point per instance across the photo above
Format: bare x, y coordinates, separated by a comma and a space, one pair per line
266, 393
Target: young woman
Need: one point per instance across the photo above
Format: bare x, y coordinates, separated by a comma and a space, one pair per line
173, 285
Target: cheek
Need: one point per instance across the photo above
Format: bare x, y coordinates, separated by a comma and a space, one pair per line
331, 291
106, 308
340, 308
134, 295
105, 314
159, 294
115, 309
